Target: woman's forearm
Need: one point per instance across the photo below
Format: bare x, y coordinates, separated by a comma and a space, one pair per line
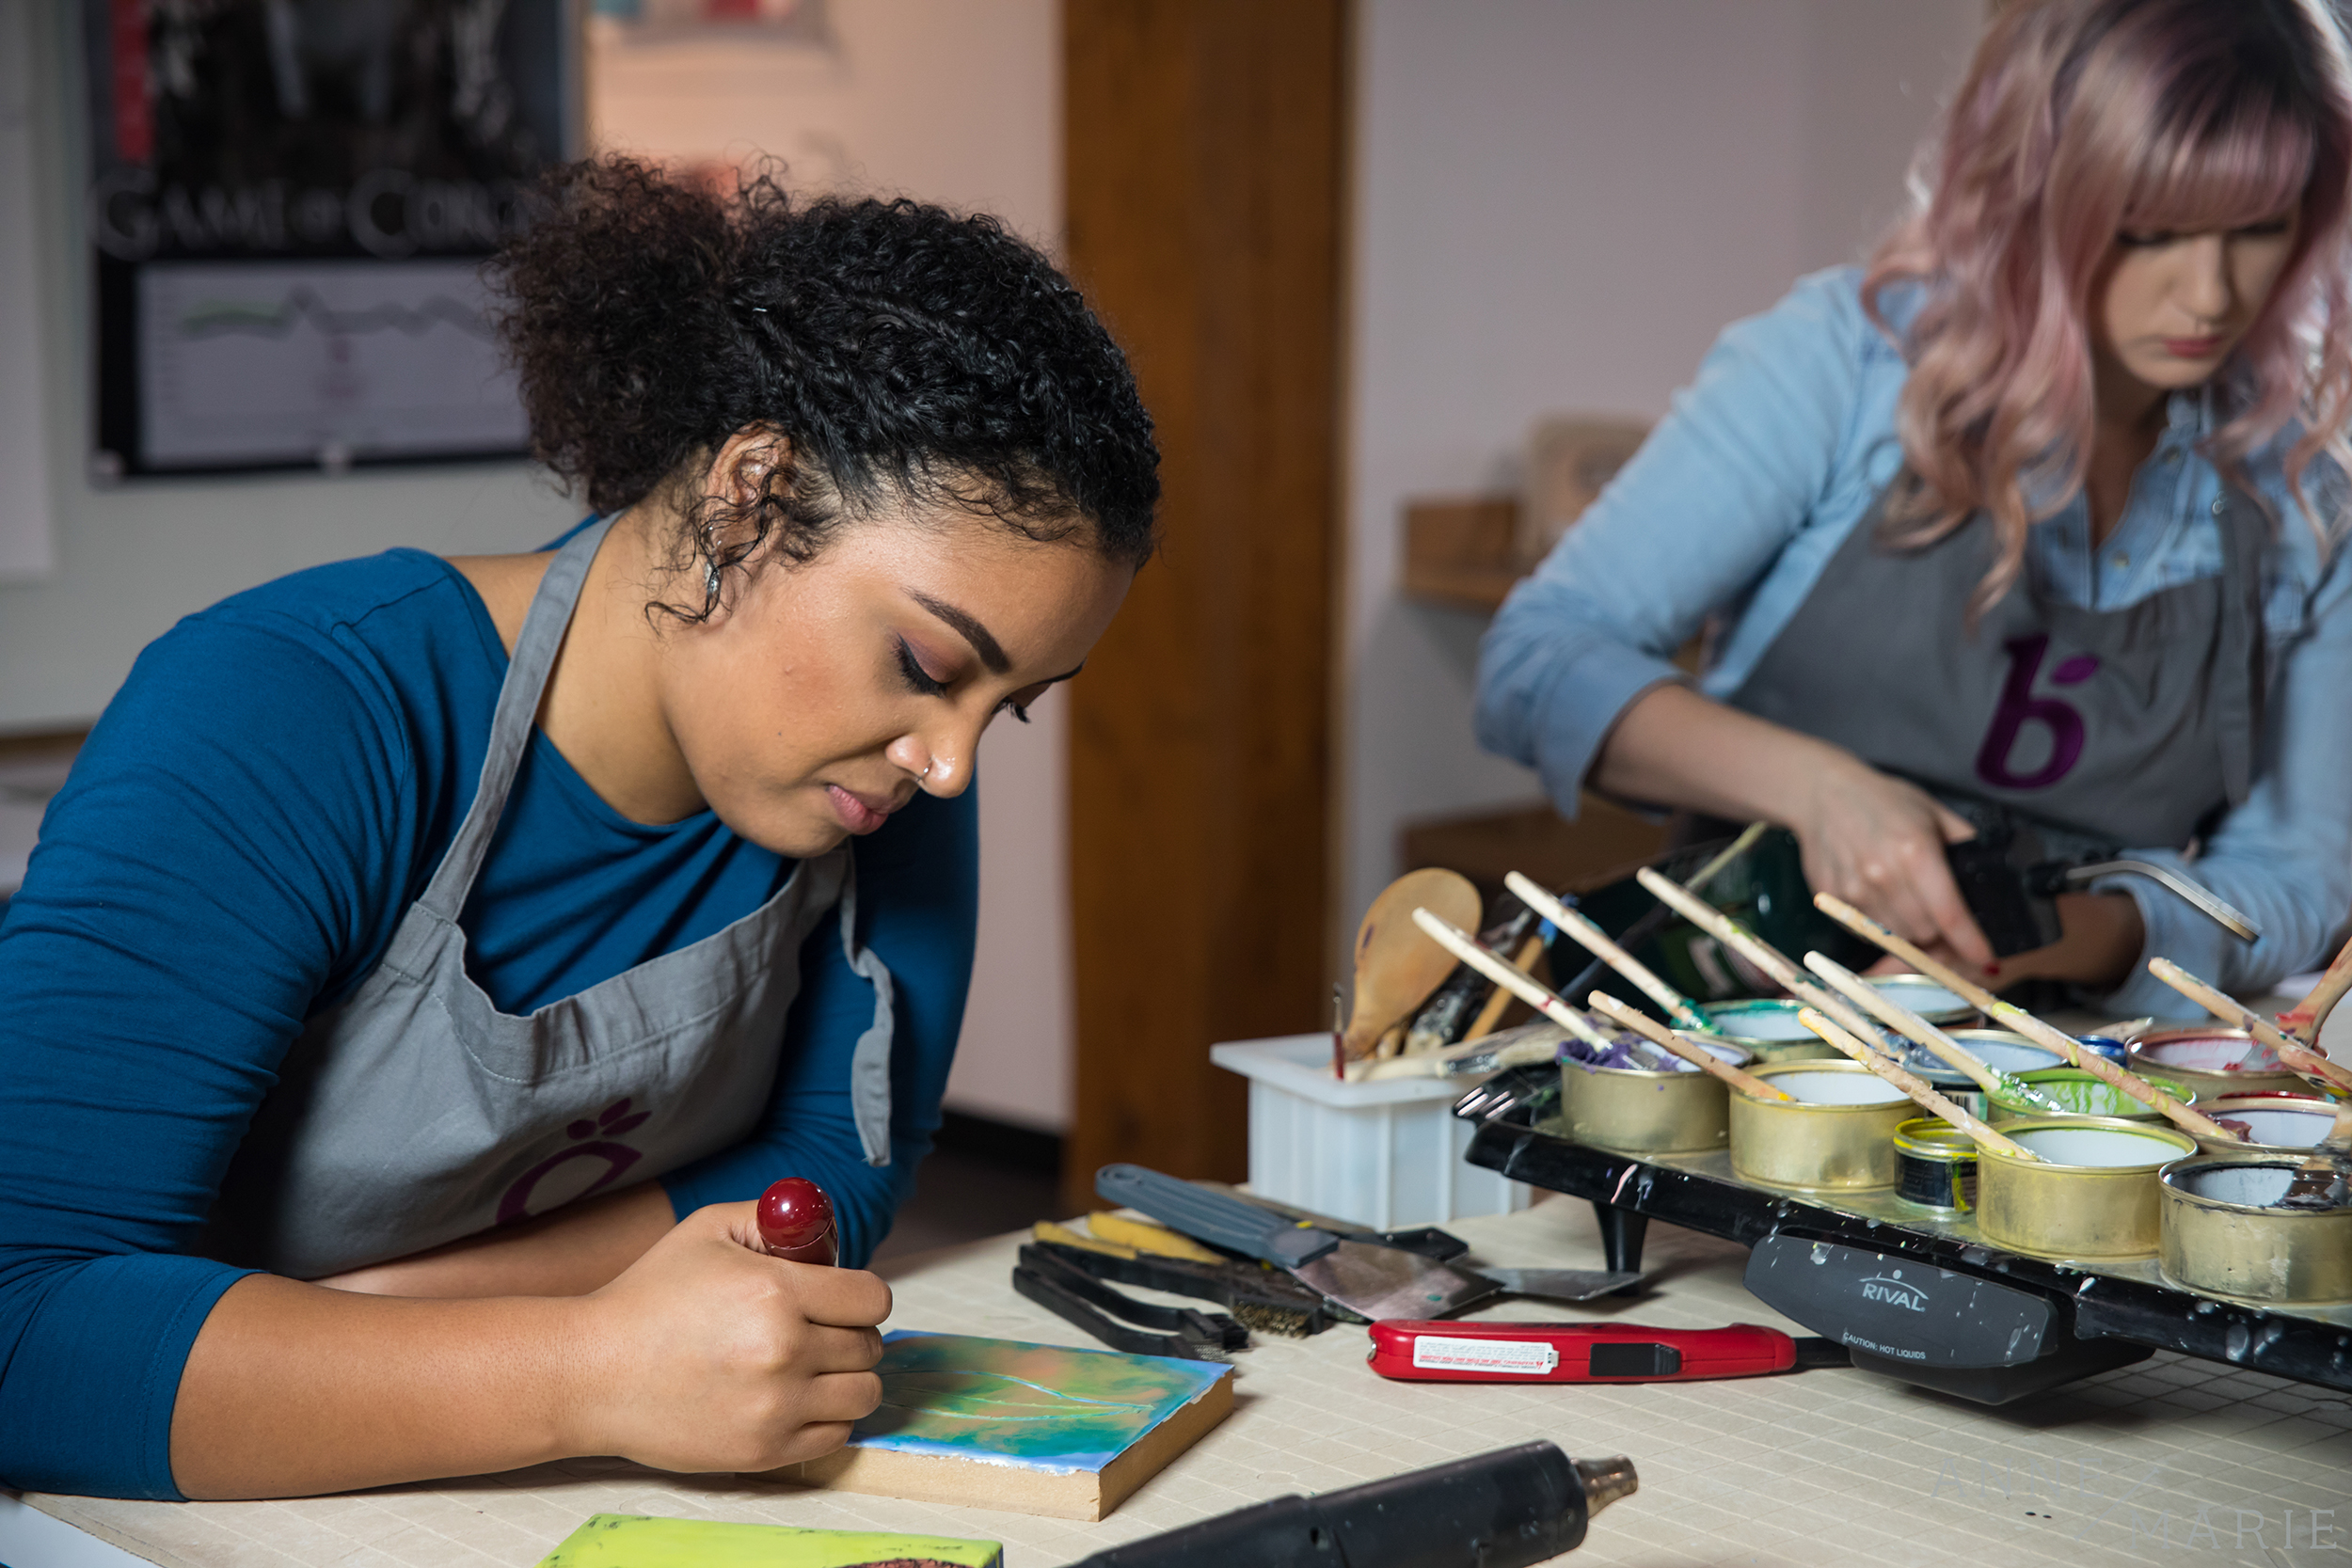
292, 1389
1673, 747
577, 1249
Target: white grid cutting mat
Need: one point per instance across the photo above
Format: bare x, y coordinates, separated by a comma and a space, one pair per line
2170, 1460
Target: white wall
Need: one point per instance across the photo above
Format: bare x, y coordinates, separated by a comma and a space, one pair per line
957, 102
954, 102
1559, 203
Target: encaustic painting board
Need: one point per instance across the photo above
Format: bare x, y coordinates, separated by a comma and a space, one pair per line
1034, 1428
638, 1541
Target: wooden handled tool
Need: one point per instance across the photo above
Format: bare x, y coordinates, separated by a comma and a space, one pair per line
1499, 1002
1896, 1015
1706, 1061
1756, 951
2296, 1056
1525, 987
1596, 942
2303, 1020
1918, 1088
1654, 919
2023, 1022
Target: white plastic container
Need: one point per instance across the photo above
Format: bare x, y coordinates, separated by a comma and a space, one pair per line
1382, 1155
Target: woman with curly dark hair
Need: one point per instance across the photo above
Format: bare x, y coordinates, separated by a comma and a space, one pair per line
429, 961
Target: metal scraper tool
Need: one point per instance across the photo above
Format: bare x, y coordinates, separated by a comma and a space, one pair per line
1373, 1281
1570, 1284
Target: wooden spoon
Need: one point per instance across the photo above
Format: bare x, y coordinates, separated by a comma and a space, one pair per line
1396, 968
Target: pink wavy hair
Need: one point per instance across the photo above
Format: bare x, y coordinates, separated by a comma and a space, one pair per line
2078, 119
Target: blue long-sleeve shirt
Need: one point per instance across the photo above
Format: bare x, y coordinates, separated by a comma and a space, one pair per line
265, 797
1767, 463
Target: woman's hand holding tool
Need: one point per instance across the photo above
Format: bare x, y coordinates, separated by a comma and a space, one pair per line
796, 1222
2023, 1023
2296, 1056
711, 1354
1878, 841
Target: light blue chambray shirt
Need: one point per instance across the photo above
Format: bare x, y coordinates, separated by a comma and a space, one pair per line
1765, 466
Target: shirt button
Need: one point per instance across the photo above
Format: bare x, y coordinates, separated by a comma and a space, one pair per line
2121, 561
2219, 506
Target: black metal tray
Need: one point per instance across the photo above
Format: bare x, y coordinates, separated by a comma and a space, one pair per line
2129, 1301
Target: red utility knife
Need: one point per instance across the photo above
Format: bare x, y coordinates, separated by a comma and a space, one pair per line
1434, 1352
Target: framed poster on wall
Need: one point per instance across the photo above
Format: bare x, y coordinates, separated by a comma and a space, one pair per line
288, 205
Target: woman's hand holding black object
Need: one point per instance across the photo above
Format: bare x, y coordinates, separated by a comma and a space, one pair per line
1878, 843
1873, 840
708, 1355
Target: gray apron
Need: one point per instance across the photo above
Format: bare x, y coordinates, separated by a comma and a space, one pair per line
415, 1113
2129, 727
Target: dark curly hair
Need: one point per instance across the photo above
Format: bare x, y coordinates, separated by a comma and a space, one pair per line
905, 354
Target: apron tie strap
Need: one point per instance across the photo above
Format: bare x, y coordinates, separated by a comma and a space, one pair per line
870, 1063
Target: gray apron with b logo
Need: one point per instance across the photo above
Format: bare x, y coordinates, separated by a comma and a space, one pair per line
416, 1113
2128, 726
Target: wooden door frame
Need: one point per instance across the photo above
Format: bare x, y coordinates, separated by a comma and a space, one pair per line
1206, 151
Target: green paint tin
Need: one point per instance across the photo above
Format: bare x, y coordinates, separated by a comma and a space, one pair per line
2083, 1096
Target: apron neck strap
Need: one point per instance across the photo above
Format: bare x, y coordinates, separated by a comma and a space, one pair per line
2242, 673
517, 713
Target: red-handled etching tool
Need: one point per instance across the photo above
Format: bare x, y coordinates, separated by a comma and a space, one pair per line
1434, 1352
796, 1222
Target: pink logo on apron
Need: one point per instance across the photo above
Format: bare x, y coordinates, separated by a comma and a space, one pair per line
2019, 707
614, 1119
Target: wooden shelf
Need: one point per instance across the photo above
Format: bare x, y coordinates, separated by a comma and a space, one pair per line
1462, 551
1603, 843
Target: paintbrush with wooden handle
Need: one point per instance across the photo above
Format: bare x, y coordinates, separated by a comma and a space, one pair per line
2304, 1019
1896, 1015
1706, 1061
1756, 951
1596, 942
1922, 1093
1525, 987
2022, 1022
2296, 1056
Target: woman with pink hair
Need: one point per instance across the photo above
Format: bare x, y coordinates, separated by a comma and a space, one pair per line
2028, 527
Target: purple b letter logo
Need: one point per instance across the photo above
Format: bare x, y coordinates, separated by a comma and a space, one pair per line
2019, 706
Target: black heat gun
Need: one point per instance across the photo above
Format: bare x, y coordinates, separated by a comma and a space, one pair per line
1507, 1509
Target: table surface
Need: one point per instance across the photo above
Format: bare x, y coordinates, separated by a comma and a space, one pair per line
2171, 1459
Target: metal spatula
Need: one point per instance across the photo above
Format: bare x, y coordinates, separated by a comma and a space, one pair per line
1373, 1281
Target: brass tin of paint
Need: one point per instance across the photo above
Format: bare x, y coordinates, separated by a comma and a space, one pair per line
2309, 1105
1802, 1046
1637, 1112
2211, 1083
2060, 1211
1815, 1147
2252, 1252
2060, 1083
1936, 1166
